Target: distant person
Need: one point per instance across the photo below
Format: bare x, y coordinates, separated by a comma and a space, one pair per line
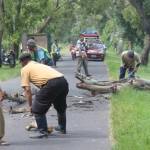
55, 52
131, 62
39, 54
82, 58
2, 122
120, 47
53, 90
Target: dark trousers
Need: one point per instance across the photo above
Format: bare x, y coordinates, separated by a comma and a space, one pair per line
123, 72
54, 57
54, 92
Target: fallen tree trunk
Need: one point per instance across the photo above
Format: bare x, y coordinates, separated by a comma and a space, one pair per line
18, 110
102, 87
97, 89
16, 98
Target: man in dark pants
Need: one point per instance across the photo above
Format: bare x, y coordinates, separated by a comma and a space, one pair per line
131, 62
53, 90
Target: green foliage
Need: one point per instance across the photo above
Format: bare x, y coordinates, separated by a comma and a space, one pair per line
6, 72
131, 16
146, 5
94, 6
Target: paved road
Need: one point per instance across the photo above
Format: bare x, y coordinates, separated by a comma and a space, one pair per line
87, 117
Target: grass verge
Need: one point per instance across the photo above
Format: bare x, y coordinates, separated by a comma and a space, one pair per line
130, 111
6, 72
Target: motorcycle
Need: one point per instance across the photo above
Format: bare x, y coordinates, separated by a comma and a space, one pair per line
8, 59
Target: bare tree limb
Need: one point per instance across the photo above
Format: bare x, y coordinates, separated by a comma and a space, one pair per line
50, 18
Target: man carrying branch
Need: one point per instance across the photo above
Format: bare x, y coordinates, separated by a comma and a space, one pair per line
53, 90
131, 62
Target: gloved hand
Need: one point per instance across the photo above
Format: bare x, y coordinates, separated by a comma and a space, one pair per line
131, 74
2, 95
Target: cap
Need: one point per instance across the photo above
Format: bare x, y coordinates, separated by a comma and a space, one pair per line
31, 43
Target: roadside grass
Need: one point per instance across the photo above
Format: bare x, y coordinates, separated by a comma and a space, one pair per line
7, 73
130, 111
65, 49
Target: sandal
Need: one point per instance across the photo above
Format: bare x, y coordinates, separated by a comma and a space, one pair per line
3, 143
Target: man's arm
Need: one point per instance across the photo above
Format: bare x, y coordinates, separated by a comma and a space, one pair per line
123, 60
1, 95
138, 62
28, 94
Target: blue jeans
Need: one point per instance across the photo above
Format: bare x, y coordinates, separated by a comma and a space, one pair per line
41, 122
123, 72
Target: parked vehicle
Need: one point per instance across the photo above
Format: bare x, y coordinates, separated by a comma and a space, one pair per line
8, 59
96, 51
95, 48
90, 37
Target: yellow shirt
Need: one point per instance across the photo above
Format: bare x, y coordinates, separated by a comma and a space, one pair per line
38, 74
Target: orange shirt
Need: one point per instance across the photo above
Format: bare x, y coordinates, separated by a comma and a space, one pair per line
38, 74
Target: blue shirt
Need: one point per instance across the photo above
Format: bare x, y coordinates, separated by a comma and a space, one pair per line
39, 54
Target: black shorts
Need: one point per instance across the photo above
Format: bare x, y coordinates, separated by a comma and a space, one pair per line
54, 92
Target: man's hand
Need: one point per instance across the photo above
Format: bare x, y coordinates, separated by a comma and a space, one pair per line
2, 95
30, 109
84, 55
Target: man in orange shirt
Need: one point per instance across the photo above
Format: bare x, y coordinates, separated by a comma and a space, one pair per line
53, 90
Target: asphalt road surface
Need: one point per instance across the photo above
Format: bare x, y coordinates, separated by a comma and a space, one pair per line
87, 116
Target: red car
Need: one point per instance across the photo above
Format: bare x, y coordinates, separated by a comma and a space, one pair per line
96, 51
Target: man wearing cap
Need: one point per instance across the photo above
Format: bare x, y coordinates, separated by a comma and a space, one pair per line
82, 58
40, 54
53, 90
131, 62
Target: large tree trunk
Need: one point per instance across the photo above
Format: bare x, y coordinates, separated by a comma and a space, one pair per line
145, 53
1, 35
45, 24
145, 21
50, 18
16, 49
1, 26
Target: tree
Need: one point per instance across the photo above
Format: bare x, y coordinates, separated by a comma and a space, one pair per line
1, 26
143, 9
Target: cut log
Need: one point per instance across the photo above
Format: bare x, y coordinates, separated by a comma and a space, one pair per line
18, 110
20, 99
96, 86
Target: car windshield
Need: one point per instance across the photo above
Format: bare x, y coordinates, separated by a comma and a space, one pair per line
92, 40
96, 46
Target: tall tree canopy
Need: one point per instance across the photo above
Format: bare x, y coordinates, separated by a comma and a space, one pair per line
129, 19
